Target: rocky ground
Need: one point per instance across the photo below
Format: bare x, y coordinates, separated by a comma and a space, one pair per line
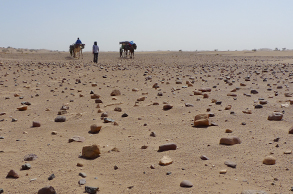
163, 122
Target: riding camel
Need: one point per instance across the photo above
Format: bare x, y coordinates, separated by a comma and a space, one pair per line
127, 46
76, 48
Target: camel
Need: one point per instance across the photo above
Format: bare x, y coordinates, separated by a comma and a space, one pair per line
126, 46
74, 49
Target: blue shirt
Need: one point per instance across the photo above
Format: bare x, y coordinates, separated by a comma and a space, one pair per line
78, 41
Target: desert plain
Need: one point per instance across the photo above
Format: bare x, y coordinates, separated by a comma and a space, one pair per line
158, 94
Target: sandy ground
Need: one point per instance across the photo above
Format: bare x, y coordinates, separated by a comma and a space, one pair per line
49, 80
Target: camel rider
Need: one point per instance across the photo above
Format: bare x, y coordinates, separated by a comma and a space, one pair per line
78, 42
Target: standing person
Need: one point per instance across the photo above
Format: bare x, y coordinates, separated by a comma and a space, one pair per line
96, 52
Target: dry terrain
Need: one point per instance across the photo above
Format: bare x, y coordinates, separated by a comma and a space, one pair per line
237, 90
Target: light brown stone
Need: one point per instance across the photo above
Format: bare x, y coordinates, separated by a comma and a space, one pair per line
91, 151
269, 160
166, 160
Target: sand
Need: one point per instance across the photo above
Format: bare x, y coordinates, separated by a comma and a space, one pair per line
50, 80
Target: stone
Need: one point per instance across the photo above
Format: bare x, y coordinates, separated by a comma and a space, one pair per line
263, 102
95, 128
95, 96
141, 99
60, 119
76, 139
205, 96
166, 147
228, 131
258, 106
153, 134
253, 91
189, 105
64, 107
97, 100
230, 164
288, 152
156, 85
253, 192
91, 190
47, 190
26, 166
247, 111
203, 157
124, 115
275, 116
1, 191
230, 140
54, 132
82, 174
81, 181
12, 174
108, 120
36, 124
165, 160
62, 112
205, 89
167, 107
291, 130
79, 164
51, 177
104, 114
269, 160
224, 171
91, 151
201, 120
30, 157
115, 93
22, 108
197, 92
118, 109
288, 95
232, 94
228, 107
186, 183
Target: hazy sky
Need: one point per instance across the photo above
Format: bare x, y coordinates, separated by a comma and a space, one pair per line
152, 24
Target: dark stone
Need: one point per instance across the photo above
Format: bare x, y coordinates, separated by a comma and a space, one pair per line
153, 134
60, 119
51, 177
82, 174
125, 115
26, 166
253, 91
166, 147
36, 124
168, 173
98, 100
1, 191
203, 157
218, 102
91, 190
258, 106
47, 190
